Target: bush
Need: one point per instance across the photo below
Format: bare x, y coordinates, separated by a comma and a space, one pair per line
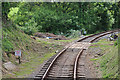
74, 33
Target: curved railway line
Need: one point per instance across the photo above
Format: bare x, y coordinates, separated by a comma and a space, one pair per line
69, 63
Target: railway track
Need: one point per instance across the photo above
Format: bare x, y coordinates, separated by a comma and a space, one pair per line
69, 63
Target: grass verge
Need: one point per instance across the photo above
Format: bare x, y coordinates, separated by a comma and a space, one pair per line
108, 61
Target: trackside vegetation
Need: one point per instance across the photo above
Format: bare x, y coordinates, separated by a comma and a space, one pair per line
109, 59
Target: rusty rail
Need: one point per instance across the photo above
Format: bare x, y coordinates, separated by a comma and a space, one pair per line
76, 64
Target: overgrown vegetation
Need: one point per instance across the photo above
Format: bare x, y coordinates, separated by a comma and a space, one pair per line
108, 60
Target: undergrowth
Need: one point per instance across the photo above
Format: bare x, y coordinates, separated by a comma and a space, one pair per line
109, 60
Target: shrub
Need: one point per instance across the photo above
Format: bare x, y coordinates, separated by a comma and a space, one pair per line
74, 33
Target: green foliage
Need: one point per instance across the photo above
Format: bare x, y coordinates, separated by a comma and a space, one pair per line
62, 17
94, 59
6, 8
13, 12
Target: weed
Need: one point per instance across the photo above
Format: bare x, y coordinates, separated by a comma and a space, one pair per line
94, 59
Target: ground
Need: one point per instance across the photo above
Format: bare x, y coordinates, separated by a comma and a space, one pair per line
102, 59
38, 52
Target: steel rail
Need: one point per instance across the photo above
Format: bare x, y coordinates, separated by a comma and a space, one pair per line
76, 64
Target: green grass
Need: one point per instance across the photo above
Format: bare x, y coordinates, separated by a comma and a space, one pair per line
109, 61
94, 59
28, 67
44, 42
70, 40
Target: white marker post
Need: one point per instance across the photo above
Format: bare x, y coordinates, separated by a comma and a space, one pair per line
18, 54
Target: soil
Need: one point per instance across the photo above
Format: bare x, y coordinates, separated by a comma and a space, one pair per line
90, 66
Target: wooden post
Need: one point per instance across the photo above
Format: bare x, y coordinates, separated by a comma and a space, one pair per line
19, 59
18, 54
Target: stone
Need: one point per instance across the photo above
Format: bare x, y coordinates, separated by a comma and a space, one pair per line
56, 51
9, 66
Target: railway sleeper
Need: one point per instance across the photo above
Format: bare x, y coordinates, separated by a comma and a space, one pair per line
67, 73
81, 65
50, 75
44, 68
48, 63
59, 78
42, 71
52, 71
37, 78
40, 74
80, 71
82, 76
63, 76
50, 60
